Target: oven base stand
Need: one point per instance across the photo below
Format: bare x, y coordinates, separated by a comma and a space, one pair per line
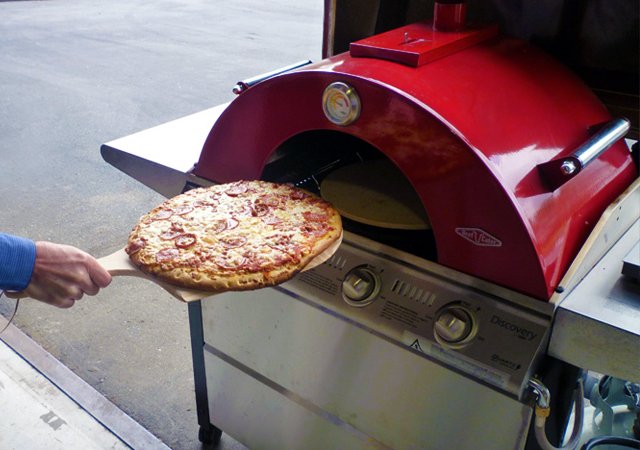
207, 434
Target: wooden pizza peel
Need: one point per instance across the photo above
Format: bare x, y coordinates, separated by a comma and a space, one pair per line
119, 264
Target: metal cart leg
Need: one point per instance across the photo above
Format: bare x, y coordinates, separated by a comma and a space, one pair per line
208, 434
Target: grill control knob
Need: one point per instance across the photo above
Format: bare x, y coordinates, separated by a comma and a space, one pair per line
360, 286
453, 325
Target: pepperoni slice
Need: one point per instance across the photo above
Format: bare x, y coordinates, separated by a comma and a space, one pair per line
315, 229
244, 210
269, 200
135, 246
315, 217
163, 214
169, 235
167, 254
182, 210
218, 226
232, 223
174, 231
271, 220
259, 210
233, 241
185, 240
298, 195
204, 203
177, 225
236, 190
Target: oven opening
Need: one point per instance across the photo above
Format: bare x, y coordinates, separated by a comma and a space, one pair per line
373, 196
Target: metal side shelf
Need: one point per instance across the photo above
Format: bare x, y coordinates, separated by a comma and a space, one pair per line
162, 156
597, 325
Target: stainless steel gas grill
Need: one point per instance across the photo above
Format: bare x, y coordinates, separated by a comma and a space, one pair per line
487, 215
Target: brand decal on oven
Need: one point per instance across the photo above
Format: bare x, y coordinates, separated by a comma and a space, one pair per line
519, 331
505, 362
478, 237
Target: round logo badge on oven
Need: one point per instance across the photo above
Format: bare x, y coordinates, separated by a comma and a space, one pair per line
340, 103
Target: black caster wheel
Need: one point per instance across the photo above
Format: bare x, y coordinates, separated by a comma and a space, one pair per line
209, 435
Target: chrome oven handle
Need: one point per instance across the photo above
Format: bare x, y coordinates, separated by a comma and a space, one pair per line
559, 171
604, 138
243, 85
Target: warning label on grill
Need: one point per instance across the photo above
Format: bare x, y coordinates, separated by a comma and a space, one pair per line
416, 346
318, 281
394, 311
467, 365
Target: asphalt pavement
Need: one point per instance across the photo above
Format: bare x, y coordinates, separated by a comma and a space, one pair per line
75, 74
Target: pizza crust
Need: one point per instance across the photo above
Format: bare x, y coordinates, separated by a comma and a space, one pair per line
233, 237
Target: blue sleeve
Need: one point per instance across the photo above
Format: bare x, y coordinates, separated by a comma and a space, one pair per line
17, 259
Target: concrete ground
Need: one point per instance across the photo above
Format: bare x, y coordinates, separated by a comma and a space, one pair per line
75, 74
45, 406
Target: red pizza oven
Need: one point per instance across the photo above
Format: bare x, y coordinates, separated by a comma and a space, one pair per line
488, 130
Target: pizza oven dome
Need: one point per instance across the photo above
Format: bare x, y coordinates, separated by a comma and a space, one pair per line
468, 131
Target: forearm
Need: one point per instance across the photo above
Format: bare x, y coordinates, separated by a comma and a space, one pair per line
17, 260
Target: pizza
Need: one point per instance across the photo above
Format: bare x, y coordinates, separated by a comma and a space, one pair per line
236, 236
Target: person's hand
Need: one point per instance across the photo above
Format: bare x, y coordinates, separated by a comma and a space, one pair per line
62, 275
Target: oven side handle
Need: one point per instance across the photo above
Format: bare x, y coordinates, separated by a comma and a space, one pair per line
207, 434
559, 171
